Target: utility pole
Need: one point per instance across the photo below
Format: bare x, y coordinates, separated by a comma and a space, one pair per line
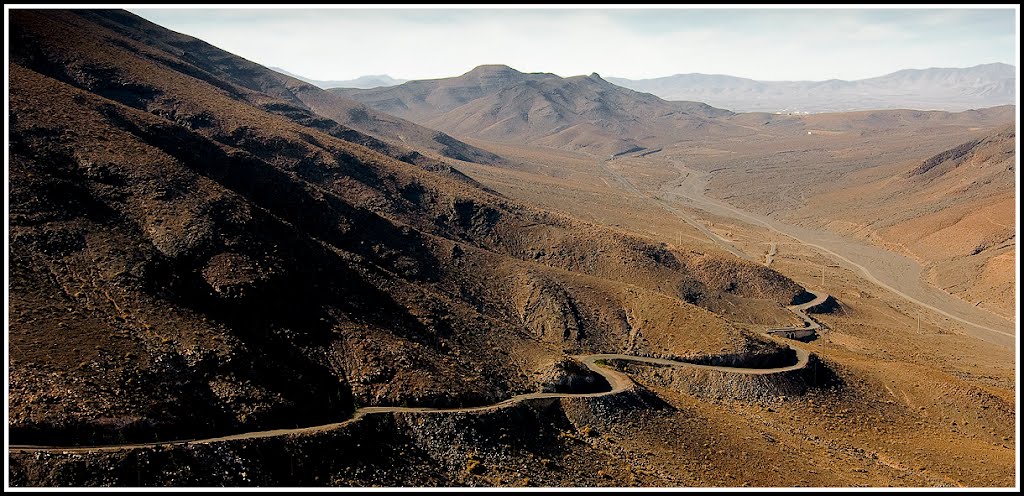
919, 322
823, 276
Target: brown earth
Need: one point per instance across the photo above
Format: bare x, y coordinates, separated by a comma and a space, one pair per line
188, 259
185, 262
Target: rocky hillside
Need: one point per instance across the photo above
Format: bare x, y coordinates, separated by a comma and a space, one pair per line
195, 250
499, 103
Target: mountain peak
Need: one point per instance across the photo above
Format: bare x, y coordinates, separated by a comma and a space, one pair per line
492, 70
492, 76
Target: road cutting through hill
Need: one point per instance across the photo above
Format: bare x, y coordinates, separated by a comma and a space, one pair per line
618, 382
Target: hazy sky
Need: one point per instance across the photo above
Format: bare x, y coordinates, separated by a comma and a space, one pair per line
766, 44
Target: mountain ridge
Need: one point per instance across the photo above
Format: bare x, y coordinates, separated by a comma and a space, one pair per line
499, 103
239, 76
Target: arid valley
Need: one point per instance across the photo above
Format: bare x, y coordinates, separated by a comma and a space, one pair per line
220, 274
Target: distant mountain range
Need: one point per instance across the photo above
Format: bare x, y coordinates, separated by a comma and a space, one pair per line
363, 82
950, 89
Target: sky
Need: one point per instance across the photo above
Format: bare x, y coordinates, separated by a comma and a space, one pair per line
757, 43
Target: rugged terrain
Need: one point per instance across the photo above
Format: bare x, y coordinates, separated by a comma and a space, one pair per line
203, 249
188, 260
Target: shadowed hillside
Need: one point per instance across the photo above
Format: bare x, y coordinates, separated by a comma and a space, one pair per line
192, 256
242, 79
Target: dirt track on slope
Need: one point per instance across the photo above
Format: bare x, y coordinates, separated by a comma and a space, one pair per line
618, 381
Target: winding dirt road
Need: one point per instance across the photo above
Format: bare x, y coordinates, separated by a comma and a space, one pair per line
618, 381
